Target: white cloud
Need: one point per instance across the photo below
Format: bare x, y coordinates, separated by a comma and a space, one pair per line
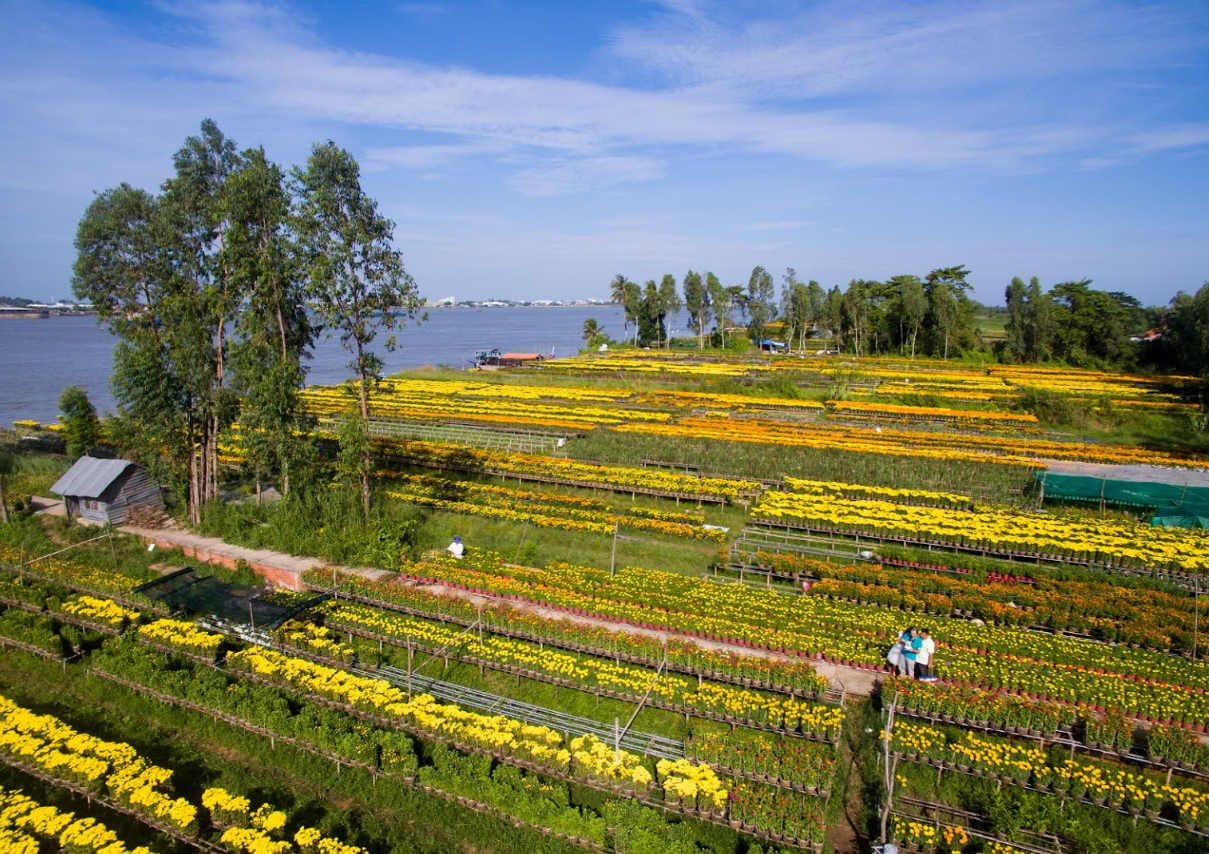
585, 173
1168, 138
617, 131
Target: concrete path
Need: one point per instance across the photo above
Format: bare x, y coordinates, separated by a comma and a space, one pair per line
47, 506
278, 568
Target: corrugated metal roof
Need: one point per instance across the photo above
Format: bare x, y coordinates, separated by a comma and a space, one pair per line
89, 477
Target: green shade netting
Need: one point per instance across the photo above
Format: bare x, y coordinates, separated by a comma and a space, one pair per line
1171, 505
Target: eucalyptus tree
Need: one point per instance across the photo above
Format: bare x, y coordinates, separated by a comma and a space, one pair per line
669, 304
697, 303
356, 276
650, 318
133, 266
1040, 324
761, 302
720, 304
831, 316
949, 309
908, 307
1017, 321
273, 334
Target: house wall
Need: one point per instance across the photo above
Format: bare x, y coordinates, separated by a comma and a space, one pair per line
132, 489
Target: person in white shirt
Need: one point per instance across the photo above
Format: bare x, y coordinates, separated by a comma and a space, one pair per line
456, 548
923, 657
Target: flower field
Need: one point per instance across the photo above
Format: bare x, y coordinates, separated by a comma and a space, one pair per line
1069, 715
1141, 683
26, 825
1009, 532
542, 509
949, 585
568, 471
670, 691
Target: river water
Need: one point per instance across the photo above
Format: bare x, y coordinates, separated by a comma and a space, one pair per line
39, 358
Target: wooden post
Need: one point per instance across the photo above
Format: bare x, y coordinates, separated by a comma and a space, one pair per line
613, 557
409, 654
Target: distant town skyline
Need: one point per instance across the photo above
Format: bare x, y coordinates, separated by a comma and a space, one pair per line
533, 150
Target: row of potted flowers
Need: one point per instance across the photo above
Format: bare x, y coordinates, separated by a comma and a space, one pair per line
741, 704
1080, 672
100, 766
27, 826
1099, 783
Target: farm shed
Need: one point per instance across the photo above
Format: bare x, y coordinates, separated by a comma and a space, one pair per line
104, 490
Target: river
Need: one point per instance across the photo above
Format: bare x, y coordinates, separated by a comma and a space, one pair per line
39, 358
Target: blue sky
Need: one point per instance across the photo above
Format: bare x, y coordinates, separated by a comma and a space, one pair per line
535, 149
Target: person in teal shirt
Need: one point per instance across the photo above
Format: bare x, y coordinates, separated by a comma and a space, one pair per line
911, 643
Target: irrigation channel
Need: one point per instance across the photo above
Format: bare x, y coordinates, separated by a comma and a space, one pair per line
483, 701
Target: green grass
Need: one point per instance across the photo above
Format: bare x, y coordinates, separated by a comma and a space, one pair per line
328, 525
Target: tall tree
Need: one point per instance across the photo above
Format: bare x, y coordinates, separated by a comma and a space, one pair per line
857, 303
948, 306
1094, 326
796, 307
205, 298
832, 314
273, 333
650, 322
720, 305
158, 271
1040, 328
1188, 331
1015, 329
697, 303
620, 293
909, 307
669, 304
761, 302
356, 277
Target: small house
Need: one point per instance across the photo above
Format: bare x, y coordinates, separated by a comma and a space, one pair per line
104, 491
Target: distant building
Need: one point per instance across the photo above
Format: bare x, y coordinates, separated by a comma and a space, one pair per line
1149, 335
103, 491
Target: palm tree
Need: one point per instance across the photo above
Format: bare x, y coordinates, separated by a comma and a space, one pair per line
617, 293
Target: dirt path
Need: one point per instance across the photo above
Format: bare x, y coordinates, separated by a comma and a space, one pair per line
848, 679
287, 570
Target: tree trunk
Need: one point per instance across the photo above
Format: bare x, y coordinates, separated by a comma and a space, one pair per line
194, 481
365, 463
4, 507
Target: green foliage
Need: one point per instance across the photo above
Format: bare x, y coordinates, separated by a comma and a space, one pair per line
80, 423
327, 524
